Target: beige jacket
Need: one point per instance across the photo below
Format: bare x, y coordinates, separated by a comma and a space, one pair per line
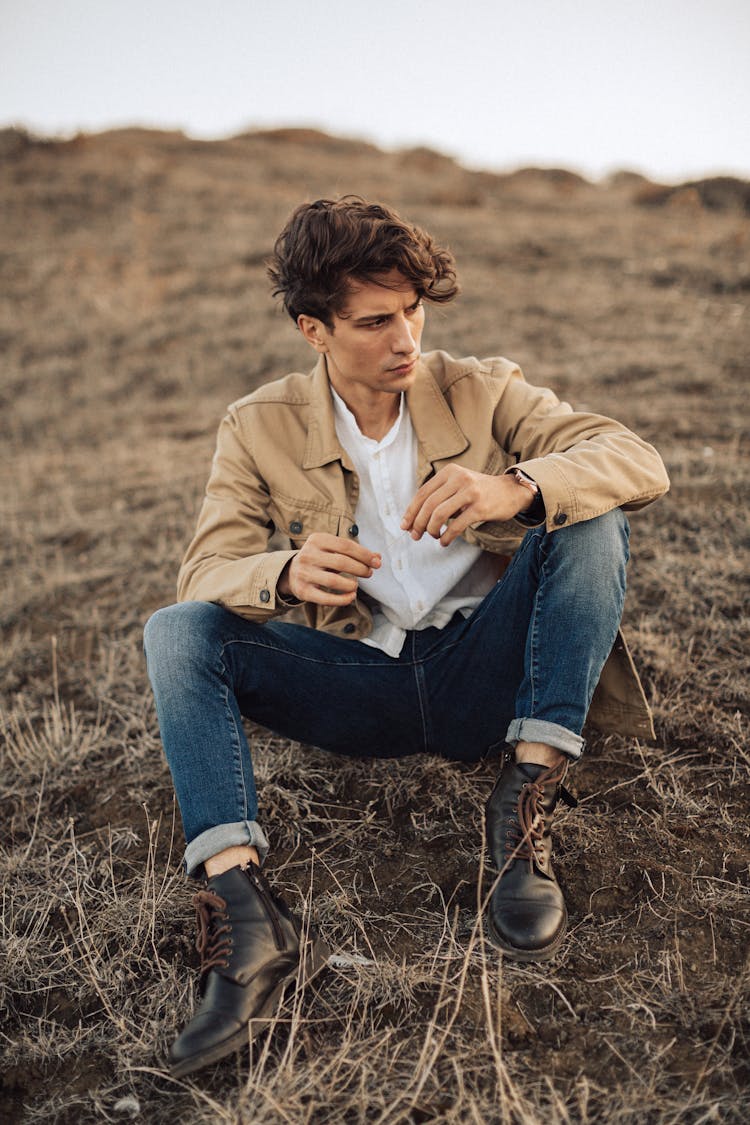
279, 473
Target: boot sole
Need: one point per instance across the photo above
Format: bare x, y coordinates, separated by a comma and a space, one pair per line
316, 960
513, 953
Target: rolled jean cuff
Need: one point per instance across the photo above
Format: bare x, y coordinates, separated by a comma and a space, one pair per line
536, 730
215, 840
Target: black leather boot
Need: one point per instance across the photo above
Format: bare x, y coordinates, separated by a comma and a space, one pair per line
250, 948
526, 918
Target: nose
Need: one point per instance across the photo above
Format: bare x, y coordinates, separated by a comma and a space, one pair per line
405, 336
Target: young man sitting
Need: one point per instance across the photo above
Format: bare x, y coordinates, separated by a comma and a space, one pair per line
457, 540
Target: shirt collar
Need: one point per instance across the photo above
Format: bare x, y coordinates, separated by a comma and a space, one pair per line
349, 428
439, 434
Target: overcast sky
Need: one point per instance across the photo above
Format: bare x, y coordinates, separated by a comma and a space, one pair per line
660, 86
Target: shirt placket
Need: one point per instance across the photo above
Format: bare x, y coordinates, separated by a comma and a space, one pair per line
400, 543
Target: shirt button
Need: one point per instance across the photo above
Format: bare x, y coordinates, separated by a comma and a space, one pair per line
265, 596
560, 519
354, 531
295, 527
350, 627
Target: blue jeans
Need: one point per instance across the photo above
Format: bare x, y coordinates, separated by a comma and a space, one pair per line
523, 666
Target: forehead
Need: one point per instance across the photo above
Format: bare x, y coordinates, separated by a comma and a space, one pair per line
383, 294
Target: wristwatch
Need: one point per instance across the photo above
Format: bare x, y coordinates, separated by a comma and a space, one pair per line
523, 478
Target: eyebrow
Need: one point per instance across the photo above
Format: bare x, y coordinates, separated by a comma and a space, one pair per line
382, 315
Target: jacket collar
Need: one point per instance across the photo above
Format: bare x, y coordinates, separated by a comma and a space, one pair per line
438, 433
322, 445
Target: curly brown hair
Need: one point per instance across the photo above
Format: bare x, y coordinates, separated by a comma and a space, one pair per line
327, 243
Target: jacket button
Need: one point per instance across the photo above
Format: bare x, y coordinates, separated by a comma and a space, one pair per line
560, 519
354, 531
295, 527
350, 627
265, 595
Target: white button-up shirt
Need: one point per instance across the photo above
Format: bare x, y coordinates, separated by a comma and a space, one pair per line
419, 583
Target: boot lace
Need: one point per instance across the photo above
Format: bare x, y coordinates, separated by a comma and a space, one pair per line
525, 839
214, 940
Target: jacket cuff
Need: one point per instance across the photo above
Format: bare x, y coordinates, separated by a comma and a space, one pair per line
560, 506
534, 515
263, 592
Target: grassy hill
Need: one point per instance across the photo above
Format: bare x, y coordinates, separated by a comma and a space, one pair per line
135, 309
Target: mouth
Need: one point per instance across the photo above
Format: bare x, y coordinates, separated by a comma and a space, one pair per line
404, 368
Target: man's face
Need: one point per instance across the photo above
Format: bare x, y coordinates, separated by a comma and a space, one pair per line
375, 341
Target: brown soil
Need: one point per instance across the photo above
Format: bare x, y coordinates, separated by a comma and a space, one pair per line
136, 308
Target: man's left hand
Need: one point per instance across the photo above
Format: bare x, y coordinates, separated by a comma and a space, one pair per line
459, 497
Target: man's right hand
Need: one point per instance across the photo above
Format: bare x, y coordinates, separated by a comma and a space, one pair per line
326, 570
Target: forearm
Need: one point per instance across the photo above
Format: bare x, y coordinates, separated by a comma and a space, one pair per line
613, 470
584, 464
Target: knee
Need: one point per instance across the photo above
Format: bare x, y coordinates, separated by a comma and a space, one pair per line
612, 532
602, 541
605, 539
177, 631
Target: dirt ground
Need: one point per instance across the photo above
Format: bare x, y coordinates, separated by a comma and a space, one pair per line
135, 308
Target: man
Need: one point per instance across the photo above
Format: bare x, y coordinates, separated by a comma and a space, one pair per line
401, 483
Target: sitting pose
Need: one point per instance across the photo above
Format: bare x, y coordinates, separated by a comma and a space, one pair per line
455, 538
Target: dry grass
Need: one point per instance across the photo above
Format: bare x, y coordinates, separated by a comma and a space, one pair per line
136, 310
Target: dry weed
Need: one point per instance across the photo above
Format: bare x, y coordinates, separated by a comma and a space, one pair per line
136, 309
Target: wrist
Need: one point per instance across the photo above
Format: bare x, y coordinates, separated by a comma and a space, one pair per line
528, 488
533, 513
282, 583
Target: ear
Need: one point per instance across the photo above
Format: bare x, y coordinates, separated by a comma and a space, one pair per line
314, 331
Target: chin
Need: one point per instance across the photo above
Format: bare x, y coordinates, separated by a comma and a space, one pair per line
402, 382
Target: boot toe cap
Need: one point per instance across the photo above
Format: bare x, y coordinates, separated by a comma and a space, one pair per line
522, 928
205, 1039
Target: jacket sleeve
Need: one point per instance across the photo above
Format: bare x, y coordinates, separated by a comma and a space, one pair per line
585, 464
228, 561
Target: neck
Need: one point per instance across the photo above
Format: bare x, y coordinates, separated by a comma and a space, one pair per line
374, 412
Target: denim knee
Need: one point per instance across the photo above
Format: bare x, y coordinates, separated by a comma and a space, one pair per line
602, 540
177, 633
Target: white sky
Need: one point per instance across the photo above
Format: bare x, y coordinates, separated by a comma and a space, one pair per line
659, 86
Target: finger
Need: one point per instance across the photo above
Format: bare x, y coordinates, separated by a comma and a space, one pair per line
307, 578
424, 514
323, 576
337, 544
450, 510
421, 496
447, 481
457, 526
437, 512
341, 564
315, 578
321, 544
327, 597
